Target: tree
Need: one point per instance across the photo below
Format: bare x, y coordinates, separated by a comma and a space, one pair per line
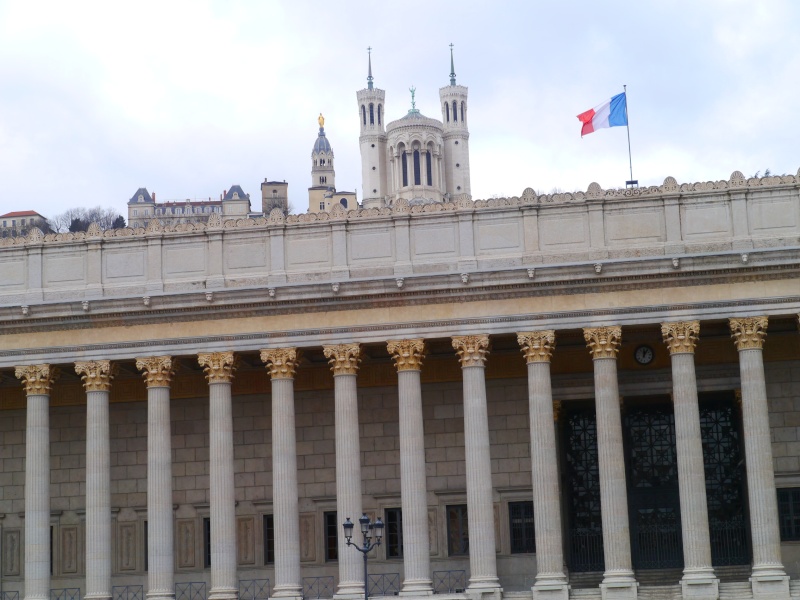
118, 223
79, 219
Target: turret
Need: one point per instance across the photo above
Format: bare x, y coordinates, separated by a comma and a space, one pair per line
371, 116
456, 135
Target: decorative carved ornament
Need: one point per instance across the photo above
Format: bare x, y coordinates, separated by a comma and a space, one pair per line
471, 350
281, 362
681, 336
37, 379
556, 410
603, 342
749, 333
537, 346
343, 358
157, 370
96, 374
407, 354
218, 366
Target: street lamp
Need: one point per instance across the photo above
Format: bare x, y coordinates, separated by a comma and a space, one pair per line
367, 528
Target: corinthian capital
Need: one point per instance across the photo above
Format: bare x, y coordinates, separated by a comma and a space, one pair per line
537, 346
681, 336
603, 342
96, 374
281, 362
471, 350
157, 370
407, 354
218, 366
343, 358
37, 379
749, 333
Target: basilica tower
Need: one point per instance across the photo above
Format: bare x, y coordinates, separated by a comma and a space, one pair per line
371, 115
322, 173
456, 135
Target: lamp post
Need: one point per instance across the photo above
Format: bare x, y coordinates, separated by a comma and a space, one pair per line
367, 528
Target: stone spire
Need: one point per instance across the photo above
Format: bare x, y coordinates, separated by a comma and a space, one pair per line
452, 67
369, 67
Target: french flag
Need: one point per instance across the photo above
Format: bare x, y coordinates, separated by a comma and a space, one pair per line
611, 113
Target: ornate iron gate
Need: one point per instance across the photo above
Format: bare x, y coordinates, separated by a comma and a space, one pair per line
725, 487
653, 498
582, 486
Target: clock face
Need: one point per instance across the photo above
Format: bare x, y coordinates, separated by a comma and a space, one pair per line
644, 355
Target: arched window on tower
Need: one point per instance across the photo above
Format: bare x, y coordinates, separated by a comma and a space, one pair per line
343, 202
379, 113
447, 111
455, 110
462, 113
364, 114
372, 114
429, 167
417, 178
405, 169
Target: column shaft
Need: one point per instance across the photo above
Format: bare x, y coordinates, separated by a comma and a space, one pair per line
37, 498
98, 496
413, 486
284, 477
160, 538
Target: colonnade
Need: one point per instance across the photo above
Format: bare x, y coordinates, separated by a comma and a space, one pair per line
699, 581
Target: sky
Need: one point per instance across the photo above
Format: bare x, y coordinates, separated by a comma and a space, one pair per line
187, 98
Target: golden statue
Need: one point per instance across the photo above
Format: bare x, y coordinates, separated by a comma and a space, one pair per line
321, 120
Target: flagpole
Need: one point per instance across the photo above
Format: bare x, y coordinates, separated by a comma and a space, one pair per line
631, 182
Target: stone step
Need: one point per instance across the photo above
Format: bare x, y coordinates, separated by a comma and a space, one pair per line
585, 594
659, 592
794, 588
739, 590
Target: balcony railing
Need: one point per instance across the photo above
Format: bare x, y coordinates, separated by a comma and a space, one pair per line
65, 594
449, 582
384, 584
127, 592
253, 589
318, 587
190, 590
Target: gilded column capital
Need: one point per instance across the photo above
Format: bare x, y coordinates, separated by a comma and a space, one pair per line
603, 342
471, 350
407, 354
681, 336
748, 333
157, 370
281, 362
218, 366
37, 379
343, 358
97, 374
537, 346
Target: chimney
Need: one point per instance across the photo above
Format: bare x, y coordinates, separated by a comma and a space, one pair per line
154, 196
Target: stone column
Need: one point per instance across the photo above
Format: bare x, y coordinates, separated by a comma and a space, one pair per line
408, 356
551, 581
472, 351
618, 579
768, 578
157, 372
97, 377
344, 359
698, 579
38, 380
282, 364
219, 368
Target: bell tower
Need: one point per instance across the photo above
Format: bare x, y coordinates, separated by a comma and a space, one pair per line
453, 99
372, 139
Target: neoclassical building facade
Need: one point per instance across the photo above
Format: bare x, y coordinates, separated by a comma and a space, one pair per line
589, 395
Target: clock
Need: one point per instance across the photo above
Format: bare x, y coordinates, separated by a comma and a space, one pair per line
644, 355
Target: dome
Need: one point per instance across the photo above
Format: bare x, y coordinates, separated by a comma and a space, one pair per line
321, 144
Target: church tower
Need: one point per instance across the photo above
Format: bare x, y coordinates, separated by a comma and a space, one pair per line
371, 116
456, 135
322, 173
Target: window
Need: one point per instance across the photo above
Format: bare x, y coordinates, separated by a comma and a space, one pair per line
520, 524
206, 542
323, 179
322, 206
462, 112
428, 168
789, 513
405, 170
394, 533
457, 530
372, 114
269, 539
417, 179
447, 111
135, 213
331, 536
363, 114
343, 202
274, 193
379, 114
455, 111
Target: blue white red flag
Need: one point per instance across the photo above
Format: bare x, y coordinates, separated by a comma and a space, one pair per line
611, 113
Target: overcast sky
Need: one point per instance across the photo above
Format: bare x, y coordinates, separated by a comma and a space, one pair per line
187, 98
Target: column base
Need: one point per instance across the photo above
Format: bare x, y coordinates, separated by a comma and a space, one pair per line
160, 594
289, 592
484, 590
349, 590
417, 587
619, 585
98, 596
551, 588
699, 585
221, 593
770, 586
